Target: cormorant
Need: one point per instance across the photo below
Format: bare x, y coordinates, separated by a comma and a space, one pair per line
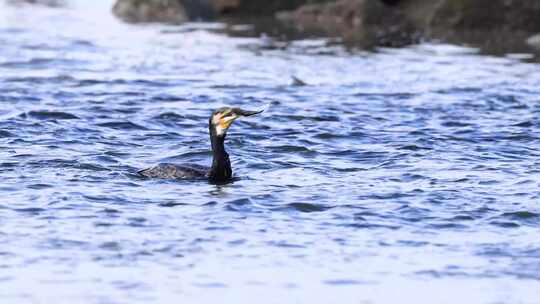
221, 171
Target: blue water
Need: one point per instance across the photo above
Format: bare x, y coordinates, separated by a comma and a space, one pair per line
397, 176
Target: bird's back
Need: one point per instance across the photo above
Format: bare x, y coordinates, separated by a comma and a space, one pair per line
169, 171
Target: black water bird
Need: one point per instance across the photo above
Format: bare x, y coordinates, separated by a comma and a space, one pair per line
221, 170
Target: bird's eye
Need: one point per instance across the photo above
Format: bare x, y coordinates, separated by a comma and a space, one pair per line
227, 114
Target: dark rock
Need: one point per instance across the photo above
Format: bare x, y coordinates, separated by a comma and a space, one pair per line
167, 11
488, 14
395, 22
366, 21
200, 9
256, 7
226, 6
177, 11
497, 24
390, 2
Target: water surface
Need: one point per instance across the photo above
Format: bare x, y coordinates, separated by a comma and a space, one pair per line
401, 174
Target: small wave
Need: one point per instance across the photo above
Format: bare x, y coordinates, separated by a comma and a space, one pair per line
521, 215
414, 148
305, 207
169, 116
505, 224
239, 205
4, 134
30, 210
122, 125
48, 115
285, 244
291, 149
524, 124
343, 282
39, 63
451, 124
40, 80
39, 186
172, 204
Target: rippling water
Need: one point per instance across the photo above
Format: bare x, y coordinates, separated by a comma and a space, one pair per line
405, 174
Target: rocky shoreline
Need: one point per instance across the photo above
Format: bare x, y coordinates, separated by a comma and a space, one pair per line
365, 22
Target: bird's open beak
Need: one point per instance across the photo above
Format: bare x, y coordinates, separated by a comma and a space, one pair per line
244, 113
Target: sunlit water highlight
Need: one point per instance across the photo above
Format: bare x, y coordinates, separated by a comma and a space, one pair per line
405, 174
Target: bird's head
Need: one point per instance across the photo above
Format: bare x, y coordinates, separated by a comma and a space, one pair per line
222, 118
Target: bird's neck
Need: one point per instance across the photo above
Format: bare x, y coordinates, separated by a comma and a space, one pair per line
221, 166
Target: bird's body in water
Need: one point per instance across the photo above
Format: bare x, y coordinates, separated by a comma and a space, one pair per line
221, 170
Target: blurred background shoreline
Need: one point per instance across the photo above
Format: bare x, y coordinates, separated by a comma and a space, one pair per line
496, 27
